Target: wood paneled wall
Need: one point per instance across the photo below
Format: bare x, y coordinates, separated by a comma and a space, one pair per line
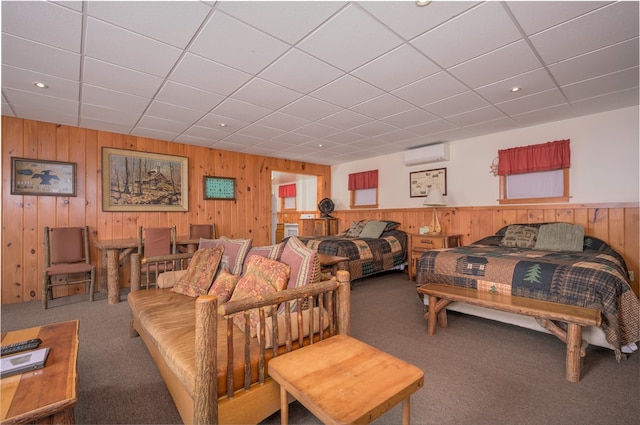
24, 217
616, 224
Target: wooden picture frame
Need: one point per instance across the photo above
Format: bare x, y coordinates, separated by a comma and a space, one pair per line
420, 182
42, 177
220, 188
143, 181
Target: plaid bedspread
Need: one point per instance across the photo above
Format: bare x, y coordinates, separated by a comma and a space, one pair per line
596, 277
367, 256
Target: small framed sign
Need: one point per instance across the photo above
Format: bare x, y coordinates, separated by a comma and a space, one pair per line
41, 177
421, 182
219, 188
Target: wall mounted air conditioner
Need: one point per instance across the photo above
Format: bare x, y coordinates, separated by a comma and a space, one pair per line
425, 154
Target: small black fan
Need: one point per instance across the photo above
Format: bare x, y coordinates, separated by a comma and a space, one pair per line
326, 206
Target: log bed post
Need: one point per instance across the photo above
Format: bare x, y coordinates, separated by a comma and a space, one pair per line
205, 409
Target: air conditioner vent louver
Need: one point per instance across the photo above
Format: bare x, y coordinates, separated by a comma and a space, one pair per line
426, 154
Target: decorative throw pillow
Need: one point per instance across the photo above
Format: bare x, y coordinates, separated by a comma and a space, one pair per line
199, 276
373, 229
520, 236
263, 276
223, 286
271, 252
235, 251
355, 229
305, 266
560, 237
170, 278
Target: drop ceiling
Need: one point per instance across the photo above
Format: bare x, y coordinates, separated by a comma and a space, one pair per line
316, 81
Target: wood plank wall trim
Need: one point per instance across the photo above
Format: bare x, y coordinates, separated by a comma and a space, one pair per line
614, 223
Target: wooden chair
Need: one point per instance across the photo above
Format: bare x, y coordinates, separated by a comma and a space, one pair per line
205, 231
66, 253
155, 244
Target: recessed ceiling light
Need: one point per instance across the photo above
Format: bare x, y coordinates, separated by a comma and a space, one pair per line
223, 124
515, 89
320, 145
422, 3
40, 85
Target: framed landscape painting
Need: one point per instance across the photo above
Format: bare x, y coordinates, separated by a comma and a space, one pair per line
143, 181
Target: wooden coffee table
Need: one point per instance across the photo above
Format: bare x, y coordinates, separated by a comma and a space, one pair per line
342, 380
46, 395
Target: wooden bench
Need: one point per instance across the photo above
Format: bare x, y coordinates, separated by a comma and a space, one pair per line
545, 312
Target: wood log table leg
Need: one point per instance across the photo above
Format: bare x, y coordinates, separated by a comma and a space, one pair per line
574, 342
284, 406
406, 411
113, 276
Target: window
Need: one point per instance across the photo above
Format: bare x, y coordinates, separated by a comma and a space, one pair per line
287, 194
363, 188
535, 173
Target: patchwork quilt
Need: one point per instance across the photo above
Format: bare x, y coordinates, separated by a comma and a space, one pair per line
596, 277
367, 256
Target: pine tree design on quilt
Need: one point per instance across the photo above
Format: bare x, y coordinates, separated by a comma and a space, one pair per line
533, 274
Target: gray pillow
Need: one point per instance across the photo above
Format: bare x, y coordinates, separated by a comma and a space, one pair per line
373, 229
560, 237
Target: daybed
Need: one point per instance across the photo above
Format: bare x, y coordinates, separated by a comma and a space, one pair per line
532, 260
214, 369
368, 252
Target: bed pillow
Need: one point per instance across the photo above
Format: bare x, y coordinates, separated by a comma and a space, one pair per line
560, 237
520, 236
263, 277
235, 251
223, 286
199, 276
391, 225
373, 229
355, 229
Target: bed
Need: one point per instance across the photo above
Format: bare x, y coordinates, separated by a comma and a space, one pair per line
519, 260
372, 246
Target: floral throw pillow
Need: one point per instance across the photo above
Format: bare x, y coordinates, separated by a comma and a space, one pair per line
305, 266
199, 276
263, 276
223, 286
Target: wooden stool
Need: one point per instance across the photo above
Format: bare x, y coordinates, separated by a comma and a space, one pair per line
342, 380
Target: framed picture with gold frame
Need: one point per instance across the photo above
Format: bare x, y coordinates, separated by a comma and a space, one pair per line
221, 188
421, 182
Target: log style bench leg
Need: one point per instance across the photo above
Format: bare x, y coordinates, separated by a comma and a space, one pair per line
437, 313
574, 359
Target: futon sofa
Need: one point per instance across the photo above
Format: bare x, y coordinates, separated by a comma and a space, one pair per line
212, 355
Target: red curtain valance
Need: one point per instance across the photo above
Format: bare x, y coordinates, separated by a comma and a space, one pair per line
528, 159
364, 180
287, 190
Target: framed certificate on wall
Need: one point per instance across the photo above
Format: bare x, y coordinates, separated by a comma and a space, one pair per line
421, 182
219, 188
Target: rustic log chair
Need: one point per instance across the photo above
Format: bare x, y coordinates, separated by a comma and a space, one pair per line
156, 242
205, 231
66, 253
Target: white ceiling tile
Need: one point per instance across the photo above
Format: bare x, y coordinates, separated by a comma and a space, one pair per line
535, 16
336, 41
397, 68
286, 20
188, 97
192, 140
23, 79
153, 133
344, 137
533, 102
104, 42
410, 118
264, 93
604, 61
40, 58
316, 130
117, 78
117, 116
554, 113
461, 38
171, 22
372, 129
501, 124
214, 121
410, 20
205, 133
168, 111
94, 95
25, 99
459, 103
617, 81
310, 109
260, 132
581, 35
487, 113
382, 106
207, 75
301, 72
233, 43
161, 124
104, 126
530, 82
281, 121
396, 136
347, 91
497, 65
292, 138
430, 89
345, 119
431, 127
608, 101
242, 111
46, 23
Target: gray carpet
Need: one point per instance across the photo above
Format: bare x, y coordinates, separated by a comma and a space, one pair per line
476, 371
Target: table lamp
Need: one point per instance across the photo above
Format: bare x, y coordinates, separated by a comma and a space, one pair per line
435, 199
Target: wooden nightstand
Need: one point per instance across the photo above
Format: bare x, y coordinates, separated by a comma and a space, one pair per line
421, 243
319, 226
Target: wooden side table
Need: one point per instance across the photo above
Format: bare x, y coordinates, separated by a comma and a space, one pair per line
342, 381
421, 243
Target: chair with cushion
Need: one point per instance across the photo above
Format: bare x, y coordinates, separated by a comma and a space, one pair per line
204, 231
66, 255
156, 245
